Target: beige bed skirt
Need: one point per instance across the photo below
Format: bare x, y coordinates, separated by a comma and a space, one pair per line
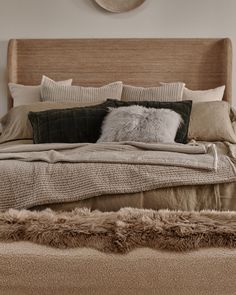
185, 198
27, 268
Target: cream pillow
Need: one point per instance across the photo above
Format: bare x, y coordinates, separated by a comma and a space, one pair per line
24, 95
215, 94
50, 91
210, 121
165, 92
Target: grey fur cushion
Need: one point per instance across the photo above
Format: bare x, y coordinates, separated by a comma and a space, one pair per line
137, 123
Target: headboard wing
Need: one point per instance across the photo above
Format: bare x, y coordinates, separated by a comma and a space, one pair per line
200, 63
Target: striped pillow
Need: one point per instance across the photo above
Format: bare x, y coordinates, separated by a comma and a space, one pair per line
50, 91
166, 92
215, 94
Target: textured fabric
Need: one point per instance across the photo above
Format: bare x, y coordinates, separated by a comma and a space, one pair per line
190, 156
24, 95
185, 198
74, 125
17, 127
87, 171
215, 94
50, 91
210, 121
183, 108
86, 271
168, 92
137, 123
198, 197
121, 231
16, 142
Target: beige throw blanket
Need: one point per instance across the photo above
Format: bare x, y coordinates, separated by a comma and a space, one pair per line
205, 157
32, 175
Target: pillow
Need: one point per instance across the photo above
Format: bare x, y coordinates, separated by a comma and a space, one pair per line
182, 107
75, 125
137, 123
15, 124
204, 95
215, 94
23, 95
210, 121
51, 91
167, 92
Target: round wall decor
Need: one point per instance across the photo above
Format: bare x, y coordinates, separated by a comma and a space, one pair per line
119, 5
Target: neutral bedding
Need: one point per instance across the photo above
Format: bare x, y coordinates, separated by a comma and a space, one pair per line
33, 175
190, 198
109, 176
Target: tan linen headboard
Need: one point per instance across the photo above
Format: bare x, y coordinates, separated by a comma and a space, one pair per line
200, 63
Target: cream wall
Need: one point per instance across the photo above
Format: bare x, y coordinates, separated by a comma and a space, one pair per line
82, 18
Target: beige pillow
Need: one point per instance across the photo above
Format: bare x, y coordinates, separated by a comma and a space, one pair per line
50, 91
215, 94
23, 94
210, 121
15, 124
165, 92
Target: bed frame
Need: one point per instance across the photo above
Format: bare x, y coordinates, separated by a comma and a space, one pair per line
200, 63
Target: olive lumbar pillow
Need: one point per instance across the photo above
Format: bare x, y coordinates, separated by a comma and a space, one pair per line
74, 125
137, 123
210, 121
183, 108
16, 125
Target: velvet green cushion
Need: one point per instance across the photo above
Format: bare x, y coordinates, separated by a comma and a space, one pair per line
74, 125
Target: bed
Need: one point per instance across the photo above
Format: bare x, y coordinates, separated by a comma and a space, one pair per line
201, 64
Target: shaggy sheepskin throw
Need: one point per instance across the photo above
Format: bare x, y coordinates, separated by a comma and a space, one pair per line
137, 123
122, 231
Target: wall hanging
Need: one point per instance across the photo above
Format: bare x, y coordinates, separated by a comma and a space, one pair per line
119, 5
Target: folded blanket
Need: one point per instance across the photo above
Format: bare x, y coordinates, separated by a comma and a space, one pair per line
205, 156
32, 175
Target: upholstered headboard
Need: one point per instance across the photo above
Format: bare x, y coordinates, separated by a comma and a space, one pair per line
200, 63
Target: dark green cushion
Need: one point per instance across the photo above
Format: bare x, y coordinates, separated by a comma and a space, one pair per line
74, 125
181, 107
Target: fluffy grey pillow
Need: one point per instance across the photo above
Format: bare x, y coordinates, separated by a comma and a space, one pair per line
137, 123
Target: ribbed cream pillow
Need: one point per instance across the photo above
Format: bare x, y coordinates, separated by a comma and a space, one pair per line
215, 94
25, 95
50, 91
165, 92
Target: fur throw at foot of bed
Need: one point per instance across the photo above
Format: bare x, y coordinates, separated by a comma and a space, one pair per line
122, 231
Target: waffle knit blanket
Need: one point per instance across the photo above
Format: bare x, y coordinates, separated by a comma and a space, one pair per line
32, 175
